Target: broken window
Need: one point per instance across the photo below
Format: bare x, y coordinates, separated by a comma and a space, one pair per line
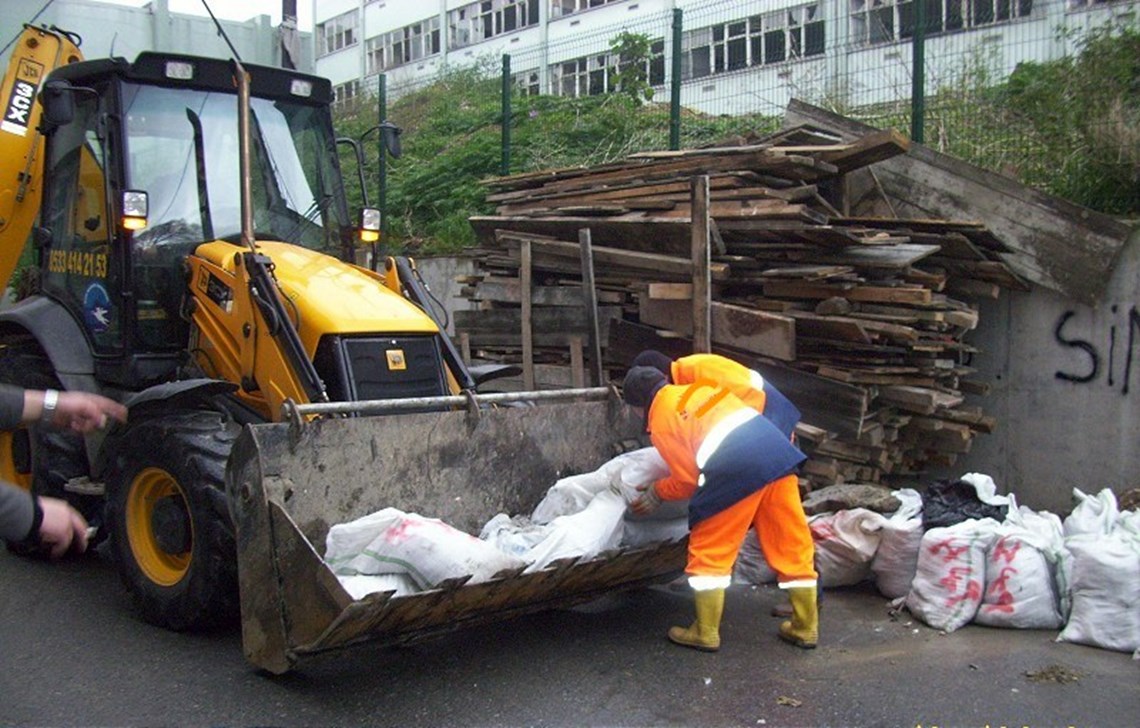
883, 21
337, 33
403, 45
560, 8
797, 32
486, 19
597, 74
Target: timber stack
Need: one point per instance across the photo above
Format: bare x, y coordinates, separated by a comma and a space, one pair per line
861, 321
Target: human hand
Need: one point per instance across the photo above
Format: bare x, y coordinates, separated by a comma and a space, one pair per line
85, 411
647, 502
63, 529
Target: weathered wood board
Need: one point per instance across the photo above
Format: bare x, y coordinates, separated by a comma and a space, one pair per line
759, 332
1056, 244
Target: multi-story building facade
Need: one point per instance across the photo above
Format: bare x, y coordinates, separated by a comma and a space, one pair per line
119, 30
737, 56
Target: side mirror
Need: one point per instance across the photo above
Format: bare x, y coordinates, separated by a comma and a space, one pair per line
390, 133
58, 100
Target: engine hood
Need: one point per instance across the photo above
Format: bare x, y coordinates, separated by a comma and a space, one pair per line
327, 295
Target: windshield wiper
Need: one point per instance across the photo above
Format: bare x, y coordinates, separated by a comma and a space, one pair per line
309, 217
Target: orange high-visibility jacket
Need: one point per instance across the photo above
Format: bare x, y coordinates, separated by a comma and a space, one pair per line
743, 455
747, 384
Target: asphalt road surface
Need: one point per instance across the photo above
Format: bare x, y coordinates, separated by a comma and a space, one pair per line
74, 654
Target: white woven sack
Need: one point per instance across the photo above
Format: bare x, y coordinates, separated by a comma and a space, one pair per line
621, 474
1106, 592
1092, 515
750, 566
896, 559
950, 577
586, 534
845, 543
391, 541
1021, 572
359, 586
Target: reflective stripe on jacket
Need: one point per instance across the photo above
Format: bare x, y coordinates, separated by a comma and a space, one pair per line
718, 449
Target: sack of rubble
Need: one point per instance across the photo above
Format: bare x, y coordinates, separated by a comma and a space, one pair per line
750, 566
515, 535
845, 544
621, 474
428, 550
896, 559
1092, 515
950, 577
594, 529
668, 521
1022, 564
359, 586
1105, 581
640, 531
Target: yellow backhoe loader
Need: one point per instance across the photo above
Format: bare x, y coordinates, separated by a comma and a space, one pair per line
191, 243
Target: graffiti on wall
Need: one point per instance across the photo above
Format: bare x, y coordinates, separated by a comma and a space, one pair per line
1121, 344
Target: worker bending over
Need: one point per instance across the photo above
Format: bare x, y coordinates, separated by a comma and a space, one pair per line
738, 471
747, 384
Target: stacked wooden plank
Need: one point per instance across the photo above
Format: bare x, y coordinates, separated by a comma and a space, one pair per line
860, 320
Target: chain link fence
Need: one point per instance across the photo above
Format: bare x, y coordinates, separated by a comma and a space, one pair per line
1045, 91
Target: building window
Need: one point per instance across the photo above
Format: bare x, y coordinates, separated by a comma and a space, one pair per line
596, 75
345, 92
884, 21
775, 37
527, 83
657, 63
337, 33
403, 45
559, 8
482, 20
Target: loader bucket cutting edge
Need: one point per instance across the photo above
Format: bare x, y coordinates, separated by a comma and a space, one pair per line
286, 491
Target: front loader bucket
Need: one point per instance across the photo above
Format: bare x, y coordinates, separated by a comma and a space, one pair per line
288, 484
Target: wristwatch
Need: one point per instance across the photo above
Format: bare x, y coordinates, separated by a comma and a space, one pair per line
51, 399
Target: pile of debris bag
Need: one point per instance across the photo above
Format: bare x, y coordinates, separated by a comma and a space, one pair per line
958, 553
580, 517
952, 559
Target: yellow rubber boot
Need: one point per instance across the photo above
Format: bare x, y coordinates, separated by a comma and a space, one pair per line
704, 633
803, 629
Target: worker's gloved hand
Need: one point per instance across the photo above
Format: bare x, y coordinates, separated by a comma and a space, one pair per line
647, 502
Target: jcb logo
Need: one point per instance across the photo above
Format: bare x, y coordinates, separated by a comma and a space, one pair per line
396, 360
17, 114
29, 71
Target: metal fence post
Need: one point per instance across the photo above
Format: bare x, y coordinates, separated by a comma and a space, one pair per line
382, 166
675, 84
918, 76
505, 167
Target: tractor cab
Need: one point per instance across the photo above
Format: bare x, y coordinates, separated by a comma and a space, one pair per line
142, 167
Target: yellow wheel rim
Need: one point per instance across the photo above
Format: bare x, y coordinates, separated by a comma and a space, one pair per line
9, 456
148, 487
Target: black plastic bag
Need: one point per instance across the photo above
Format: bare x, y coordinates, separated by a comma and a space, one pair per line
948, 502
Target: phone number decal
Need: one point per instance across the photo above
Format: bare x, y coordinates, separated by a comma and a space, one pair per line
74, 262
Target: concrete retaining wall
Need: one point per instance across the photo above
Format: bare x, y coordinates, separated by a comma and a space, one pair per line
1065, 391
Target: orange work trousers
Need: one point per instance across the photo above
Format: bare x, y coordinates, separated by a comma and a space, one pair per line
777, 513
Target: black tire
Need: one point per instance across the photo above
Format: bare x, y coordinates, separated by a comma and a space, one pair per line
42, 459
171, 531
